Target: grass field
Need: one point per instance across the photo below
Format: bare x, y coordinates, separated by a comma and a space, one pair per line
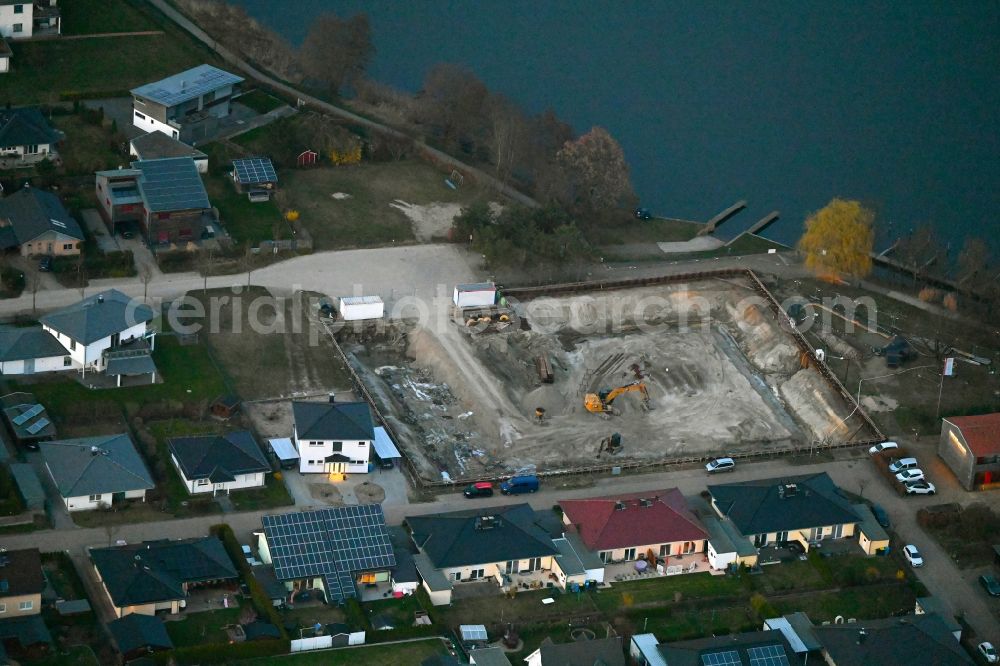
88, 148
403, 654
260, 101
78, 655
45, 70
202, 628
88, 17
245, 221
630, 230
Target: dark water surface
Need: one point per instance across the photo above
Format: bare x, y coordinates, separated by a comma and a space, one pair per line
785, 104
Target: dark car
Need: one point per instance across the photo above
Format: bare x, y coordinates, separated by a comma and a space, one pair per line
881, 516
386, 463
481, 489
45, 264
990, 584
792, 546
642, 214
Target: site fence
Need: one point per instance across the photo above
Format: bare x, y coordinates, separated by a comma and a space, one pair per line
873, 436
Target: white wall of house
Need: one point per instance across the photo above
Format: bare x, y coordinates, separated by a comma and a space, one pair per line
91, 354
313, 455
53, 243
199, 486
35, 365
720, 561
405, 588
491, 569
149, 124
438, 597
659, 550
90, 502
12, 16
29, 153
4, 63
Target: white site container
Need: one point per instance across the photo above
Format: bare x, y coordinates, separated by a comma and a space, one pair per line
475, 295
354, 308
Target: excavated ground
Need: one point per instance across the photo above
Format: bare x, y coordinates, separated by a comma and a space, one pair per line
730, 380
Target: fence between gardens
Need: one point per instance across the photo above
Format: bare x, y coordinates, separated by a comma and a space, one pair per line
524, 293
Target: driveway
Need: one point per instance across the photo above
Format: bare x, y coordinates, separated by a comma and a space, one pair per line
95, 225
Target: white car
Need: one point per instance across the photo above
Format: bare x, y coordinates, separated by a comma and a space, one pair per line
988, 652
884, 446
920, 488
720, 465
901, 464
912, 555
909, 475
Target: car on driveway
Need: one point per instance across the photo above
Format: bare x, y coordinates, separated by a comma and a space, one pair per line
913, 556
990, 584
884, 446
908, 475
920, 488
988, 652
897, 466
45, 264
720, 465
881, 517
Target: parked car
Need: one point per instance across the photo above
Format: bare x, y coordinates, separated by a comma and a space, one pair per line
385, 463
642, 214
988, 652
903, 463
912, 555
519, 484
794, 547
884, 446
45, 264
908, 475
920, 488
481, 489
720, 465
881, 517
990, 584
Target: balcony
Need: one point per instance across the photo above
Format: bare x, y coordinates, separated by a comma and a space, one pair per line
46, 20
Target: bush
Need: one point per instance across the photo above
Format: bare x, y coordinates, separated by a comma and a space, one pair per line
223, 653
762, 607
261, 601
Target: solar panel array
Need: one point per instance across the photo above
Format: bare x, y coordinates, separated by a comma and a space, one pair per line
37, 426
768, 655
472, 632
255, 170
172, 184
334, 543
28, 415
729, 658
187, 85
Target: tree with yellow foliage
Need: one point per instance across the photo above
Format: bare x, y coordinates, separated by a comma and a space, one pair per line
347, 156
838, 239
292, 215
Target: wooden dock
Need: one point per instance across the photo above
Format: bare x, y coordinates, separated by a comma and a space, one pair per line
712, 224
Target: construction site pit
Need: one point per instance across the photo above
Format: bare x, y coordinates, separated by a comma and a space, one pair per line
720, 376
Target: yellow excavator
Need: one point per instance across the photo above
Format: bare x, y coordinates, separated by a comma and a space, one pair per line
600, 403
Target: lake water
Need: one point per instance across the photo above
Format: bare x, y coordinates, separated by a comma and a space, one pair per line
782, 103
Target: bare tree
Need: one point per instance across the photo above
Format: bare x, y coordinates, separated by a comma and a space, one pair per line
919, 250
336, 51
248, 260
32, 280
454, 101
508, 130
204, 267
146, 276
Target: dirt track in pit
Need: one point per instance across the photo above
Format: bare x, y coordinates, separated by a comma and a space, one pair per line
465, 404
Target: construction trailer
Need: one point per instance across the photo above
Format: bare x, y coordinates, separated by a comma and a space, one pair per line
357, 308
475, 295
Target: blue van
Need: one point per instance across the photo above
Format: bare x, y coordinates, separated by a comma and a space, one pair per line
519, 484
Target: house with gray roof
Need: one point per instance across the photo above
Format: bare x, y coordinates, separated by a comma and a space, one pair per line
912, 639
154, 576
139, 635
94, 472
26, 137
30, 349
333, 438
751, 648
36, 223
165, 196
807, 509
186, 106
219, 463
105, 333
157, 145
506, 545
595, 652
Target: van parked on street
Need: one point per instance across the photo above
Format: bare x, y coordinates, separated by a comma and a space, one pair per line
519, 484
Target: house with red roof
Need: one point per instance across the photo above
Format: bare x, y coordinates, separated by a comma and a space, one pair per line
620, 528
970, 446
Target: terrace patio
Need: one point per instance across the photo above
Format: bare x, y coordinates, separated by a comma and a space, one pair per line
672, 566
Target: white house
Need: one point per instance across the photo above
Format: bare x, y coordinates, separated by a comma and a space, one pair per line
29, 349
219, 463
334, 438
185, 106
91, 472
36, 222
24, 20
26, 136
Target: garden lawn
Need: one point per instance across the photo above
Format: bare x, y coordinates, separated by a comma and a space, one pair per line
89, 17
202, 628
274, 494
246, 222
400, 654
88, 147
78, 655
661, 590
862, 603
260, 101
630, 230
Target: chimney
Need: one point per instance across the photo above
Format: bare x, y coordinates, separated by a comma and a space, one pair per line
861, 636
100, 298
333, 397
95, 451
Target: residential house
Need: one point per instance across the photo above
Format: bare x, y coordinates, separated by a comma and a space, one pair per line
913, 639
333, 438
872, 537
644, 650
159, 575
505, 544
21, 583
806, 509
219, 463
751, 648
30, 349
603, 651
489, 656
650, 526
95, 472
255, 176
25, 20
970, 446
5, 56
797, 629
139, 635
934, 605
26, 137
336, 552
727, 548
157, 145
165, 197
185, 106
36, 222
107, 332
26, 419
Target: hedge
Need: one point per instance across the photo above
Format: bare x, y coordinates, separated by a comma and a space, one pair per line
261, 601
223, 653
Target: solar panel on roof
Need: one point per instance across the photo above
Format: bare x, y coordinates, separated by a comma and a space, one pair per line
255, 170
768, 655
473, 632
28, 415
728, 658
37, 426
